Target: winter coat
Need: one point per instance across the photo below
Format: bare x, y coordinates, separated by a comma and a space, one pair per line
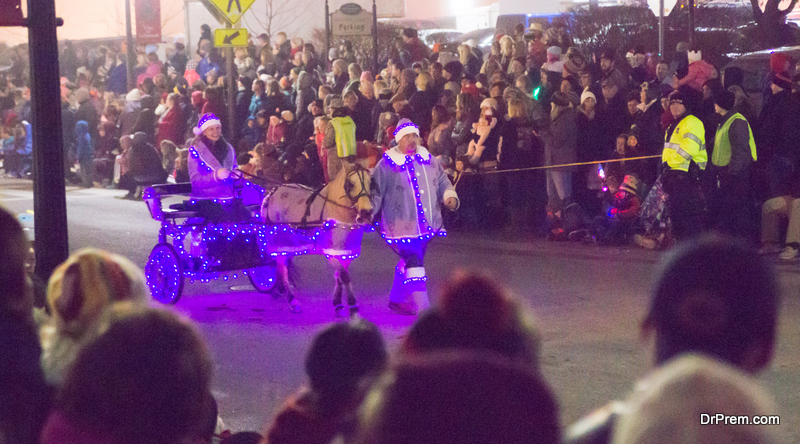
130, 113
462, 134
589, 145
26, 395
519, 143
304, 98
243, 99
275, 105
339, 82
170, 126
395, 198
202, 171
417, 50
422, 103
83, 142
117, 79
251, 135
256, 104
439, 141
152, 70
88, 113
612, 118
777, 133
699, 72
561, 140
145, 160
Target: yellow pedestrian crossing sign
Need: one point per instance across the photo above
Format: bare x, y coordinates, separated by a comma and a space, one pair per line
230, 38
229, 10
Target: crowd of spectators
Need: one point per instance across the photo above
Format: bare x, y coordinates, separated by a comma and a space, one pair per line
100, 364
512, 123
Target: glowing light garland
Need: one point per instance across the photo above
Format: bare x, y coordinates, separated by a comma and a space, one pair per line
409, 167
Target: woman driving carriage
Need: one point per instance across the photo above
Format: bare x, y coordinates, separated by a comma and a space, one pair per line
211, 162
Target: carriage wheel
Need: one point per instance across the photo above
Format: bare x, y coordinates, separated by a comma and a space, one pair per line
164, 274
263, 278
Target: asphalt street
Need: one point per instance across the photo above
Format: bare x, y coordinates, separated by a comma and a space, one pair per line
588, 301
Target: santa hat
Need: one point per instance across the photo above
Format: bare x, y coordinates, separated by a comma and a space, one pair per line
405, 126
208, 120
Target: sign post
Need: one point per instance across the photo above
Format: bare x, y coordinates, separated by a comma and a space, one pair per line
230, 11
230, 38
351, 20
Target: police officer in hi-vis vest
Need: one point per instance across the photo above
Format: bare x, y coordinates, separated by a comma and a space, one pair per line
733, 156
683, 158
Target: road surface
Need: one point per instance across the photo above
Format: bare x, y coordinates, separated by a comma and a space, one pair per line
588, 301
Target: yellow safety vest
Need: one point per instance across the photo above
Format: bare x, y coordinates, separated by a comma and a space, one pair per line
722, 143
686, 144
345, 130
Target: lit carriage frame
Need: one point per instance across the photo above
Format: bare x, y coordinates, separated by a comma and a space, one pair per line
170, 262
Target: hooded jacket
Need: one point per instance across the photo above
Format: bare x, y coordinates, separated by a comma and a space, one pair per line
83, 142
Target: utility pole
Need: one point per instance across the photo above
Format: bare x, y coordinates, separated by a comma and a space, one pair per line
691, 23
131, 64
374, 39
661, 28
230, 87
187, 36
49, 194
327, 36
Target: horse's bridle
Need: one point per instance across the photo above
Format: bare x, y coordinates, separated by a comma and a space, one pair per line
360, 172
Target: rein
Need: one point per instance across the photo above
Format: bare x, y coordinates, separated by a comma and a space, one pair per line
325, 200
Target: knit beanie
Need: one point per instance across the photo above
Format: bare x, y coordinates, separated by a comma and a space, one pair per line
725, 99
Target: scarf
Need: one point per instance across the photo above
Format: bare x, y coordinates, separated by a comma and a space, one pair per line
218, 149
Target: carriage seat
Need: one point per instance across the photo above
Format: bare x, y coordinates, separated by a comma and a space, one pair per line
154, 194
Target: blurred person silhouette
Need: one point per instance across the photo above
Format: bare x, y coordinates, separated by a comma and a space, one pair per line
144, 379
714, 296
78, 293
343, 361
675, 403
460, 397
25, 397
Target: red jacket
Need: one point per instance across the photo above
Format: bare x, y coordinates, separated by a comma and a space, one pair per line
699, 72
276, 133
169, 127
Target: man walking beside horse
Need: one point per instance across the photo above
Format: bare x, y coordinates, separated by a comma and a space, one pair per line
408, 186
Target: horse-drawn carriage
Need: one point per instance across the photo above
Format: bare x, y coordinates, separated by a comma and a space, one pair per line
281, 221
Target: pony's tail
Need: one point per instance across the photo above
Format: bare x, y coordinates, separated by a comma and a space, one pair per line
294, 273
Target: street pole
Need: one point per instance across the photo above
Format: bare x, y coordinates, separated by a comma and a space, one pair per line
230, 86
187, 36
661, 28
49, 194
131, 64
327, 36
374, 38
691, 23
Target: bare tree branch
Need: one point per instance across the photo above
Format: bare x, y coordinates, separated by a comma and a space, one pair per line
177, 12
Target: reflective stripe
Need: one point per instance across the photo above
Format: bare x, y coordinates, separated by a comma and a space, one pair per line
696, 139
702, 165
677, 148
